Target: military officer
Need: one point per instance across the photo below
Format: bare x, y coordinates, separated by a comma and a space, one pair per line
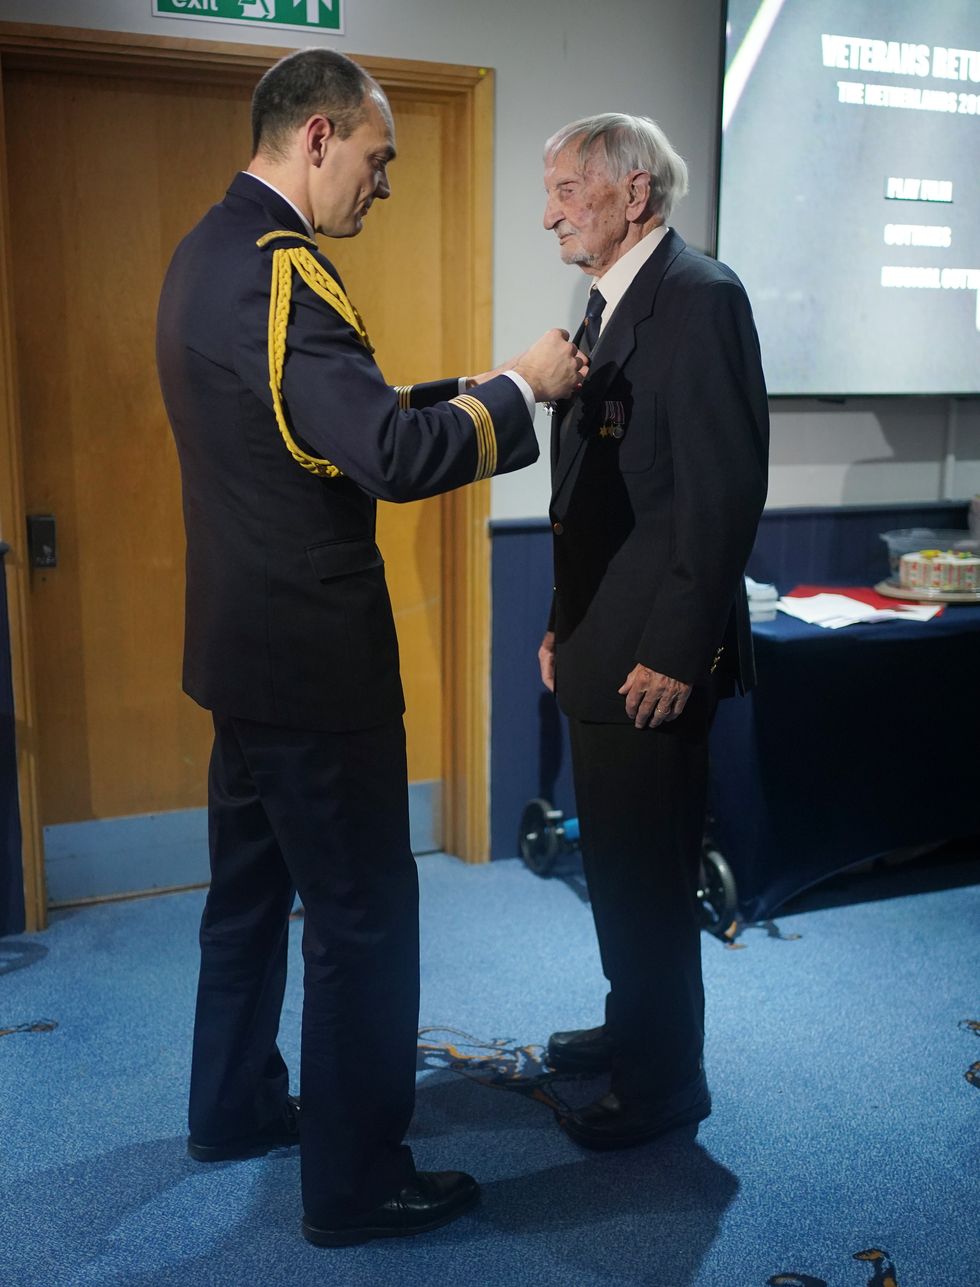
287, 433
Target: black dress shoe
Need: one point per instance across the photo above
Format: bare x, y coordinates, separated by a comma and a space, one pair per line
282, 1132
432, 1199
609, 1123
584, 1050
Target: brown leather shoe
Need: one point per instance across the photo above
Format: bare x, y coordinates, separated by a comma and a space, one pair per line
432, 1199
282, 1132
610, 1123
583, 1050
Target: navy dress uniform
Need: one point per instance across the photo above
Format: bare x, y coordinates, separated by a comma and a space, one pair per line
287, 433
659, 477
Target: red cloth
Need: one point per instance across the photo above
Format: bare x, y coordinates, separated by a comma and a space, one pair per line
862, 592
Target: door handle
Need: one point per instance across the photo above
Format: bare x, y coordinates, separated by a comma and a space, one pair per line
42, 541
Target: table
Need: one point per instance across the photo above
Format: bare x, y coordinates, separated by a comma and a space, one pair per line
856, 742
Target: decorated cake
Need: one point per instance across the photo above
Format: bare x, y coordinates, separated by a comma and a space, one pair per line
950, 571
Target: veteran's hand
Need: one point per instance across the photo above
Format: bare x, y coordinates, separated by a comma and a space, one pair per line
553, 367
652, 698
546, 660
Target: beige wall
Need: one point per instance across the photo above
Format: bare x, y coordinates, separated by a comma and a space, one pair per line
560, 59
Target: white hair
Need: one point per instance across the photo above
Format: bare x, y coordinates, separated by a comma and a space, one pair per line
629, 143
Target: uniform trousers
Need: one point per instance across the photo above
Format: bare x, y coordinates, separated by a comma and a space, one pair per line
324, 814
641, 796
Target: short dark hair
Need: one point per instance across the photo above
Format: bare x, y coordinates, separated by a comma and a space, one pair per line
302, 84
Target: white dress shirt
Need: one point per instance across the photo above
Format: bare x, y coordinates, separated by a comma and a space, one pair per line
617, 279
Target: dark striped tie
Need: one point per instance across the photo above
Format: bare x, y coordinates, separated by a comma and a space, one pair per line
593, 318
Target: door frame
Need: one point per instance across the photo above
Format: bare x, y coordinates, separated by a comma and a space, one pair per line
464, 513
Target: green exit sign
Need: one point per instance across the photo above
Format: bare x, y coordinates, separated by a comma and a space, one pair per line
310, 15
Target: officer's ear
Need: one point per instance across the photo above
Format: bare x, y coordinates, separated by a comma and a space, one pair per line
317, 133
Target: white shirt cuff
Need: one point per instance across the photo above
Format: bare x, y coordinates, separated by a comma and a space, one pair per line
521, 383
525, 388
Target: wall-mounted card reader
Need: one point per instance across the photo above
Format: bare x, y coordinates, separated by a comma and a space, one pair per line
42, 541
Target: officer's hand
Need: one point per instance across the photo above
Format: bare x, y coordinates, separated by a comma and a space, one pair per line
652, 698
553, 367
509, 365
546, 660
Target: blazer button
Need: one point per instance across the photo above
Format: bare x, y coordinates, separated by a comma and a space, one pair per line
557, 528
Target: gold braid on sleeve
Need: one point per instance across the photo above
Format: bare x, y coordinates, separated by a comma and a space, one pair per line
486, 438
285, 261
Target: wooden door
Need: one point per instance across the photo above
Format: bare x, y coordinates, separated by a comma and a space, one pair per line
105, 174
394, 272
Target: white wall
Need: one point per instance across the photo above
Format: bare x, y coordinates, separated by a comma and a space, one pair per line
556, 60
873, 450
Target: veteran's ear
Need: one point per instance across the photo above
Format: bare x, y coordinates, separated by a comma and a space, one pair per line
637, 195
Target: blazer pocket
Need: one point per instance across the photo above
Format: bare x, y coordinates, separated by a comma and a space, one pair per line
341, 558
638, 441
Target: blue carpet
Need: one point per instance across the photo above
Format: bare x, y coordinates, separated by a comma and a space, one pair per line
840, 1051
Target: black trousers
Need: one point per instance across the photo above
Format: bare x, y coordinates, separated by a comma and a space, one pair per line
325, 814
641, 796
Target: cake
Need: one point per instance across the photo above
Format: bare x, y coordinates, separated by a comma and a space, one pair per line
949, 571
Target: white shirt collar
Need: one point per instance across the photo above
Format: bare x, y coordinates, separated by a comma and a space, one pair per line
306, 223
616, 280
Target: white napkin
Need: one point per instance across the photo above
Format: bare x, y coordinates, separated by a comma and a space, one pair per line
835, 610
762, 600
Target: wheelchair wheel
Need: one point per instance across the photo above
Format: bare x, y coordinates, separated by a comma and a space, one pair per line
718, 896
538, 838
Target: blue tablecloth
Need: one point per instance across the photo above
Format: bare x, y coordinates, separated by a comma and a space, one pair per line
855, 742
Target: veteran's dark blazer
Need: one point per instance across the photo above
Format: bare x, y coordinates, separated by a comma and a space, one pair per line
659, 478
288, 619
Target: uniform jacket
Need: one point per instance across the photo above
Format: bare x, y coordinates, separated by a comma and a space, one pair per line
270, 389
659, 478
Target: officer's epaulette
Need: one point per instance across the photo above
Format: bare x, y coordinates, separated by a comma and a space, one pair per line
268, 237
299, 258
